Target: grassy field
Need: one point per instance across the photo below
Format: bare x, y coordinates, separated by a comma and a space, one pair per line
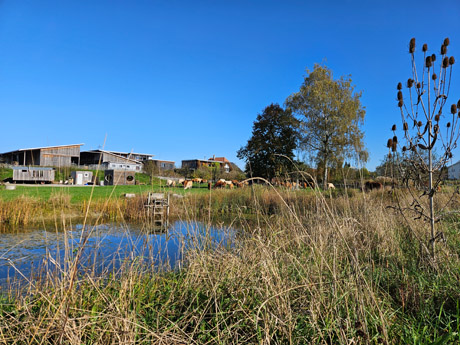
308, 268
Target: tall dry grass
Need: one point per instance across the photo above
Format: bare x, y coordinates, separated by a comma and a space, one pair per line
306, 268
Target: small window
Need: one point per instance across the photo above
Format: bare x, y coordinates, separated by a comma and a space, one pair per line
127, 166
86, 175
129, 178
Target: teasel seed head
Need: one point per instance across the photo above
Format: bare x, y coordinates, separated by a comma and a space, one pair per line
419, 124
419, 85
404, 149
395, 139
410, 82
446, 41
451, 60
399, 87
458, 104
428, 61
400, 95
414, 148
412, 45
443, 50
445, 62
450, 154
400, 103
433, 57
405, 126
390, 143
453, 108
434, 76
394, 147
448, 125
436, 118
393, 128
425, 47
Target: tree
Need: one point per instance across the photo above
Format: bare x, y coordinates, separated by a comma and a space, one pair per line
330, 115
426, 126
274, 133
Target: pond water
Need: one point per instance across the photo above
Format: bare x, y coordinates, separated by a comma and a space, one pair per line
103, 248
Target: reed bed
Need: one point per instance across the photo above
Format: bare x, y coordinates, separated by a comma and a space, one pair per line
305, 268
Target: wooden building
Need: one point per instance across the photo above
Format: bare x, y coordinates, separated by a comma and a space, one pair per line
33, 174
222, 162
51, 156
109, 160
163, 165
119, 177
82, 177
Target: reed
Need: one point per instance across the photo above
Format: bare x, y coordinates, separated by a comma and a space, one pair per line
304, 268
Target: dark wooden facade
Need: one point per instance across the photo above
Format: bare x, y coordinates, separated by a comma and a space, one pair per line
51, 156
33, 174
119, 177
163, 165
109, 160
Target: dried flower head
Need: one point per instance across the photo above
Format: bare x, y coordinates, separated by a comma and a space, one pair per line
395, 139
393, 128
400, 103
428, 61
410, 82
453, 109
436, 118
419, 85
450, 155
394, 147
445, 62
400, 95
434, 76
446, 41
433, 57
425, 47
443, 50
390, 143
399, 86
451, 60
448, 125
404, 149
458, 104
419, 124
412, 45
405, 126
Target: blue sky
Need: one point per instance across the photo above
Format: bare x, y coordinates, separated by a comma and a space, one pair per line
186, 79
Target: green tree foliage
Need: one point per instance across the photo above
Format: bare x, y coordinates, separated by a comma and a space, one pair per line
331, 114
274, 133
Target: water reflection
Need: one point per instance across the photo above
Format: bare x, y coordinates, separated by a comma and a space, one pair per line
30, 252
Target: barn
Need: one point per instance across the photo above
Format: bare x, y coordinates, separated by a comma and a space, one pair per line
50, 156
111, 160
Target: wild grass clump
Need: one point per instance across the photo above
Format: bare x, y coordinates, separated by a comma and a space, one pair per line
21, 211
313, 270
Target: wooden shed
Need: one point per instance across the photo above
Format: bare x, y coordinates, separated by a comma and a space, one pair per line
33, 174
82, 177
119, 177
57, 156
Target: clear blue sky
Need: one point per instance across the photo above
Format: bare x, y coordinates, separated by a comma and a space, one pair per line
186, 79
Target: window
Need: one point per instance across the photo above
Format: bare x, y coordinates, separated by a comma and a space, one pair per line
129, 178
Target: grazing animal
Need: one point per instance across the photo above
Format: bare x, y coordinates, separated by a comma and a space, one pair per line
330, 186
181, 180
188, 184
170, 183
371, 185
197, 180
220, 184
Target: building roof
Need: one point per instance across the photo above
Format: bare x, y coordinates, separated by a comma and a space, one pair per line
162, 160
124, 153
43, 147
29, 168
113, 154
219, 159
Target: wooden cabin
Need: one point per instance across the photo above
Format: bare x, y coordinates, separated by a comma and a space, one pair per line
119, 177
33, 174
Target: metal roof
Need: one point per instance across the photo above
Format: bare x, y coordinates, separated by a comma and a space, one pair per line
40, 148
30, 168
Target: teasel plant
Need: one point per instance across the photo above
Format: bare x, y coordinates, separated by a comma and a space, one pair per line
429, 135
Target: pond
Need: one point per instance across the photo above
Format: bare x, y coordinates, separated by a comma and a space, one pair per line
102, 249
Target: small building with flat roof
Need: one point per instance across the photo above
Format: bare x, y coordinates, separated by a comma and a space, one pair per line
33, 174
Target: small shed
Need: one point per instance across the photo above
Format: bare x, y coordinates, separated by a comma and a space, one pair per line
119, 177
82, 177
33, 174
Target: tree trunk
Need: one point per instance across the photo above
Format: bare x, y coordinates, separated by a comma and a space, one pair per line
325, 176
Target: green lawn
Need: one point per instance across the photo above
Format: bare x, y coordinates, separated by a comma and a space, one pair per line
79, 194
